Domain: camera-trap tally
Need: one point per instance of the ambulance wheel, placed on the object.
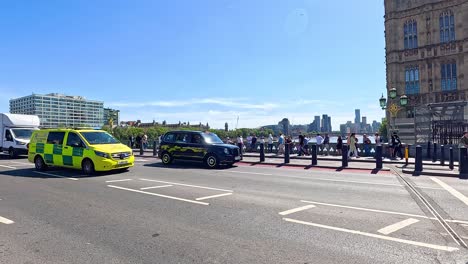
(88, 167)
(40, 164)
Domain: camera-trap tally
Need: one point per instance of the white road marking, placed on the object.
(331, 180)
(140, 160)
(6, 221)
(212, 196)
(156, 187)
(397, 226)
(295, 210)
(8, 167)
(188, 185)
(404, 241)
(385, 212)
(451, 190)
(22, 163)
(53, 175)
(119, 180)
(159, 195)
(255, 173)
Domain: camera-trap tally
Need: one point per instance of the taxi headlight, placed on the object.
(102, 154)
(226, 151)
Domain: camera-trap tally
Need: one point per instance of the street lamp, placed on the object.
(393, 107)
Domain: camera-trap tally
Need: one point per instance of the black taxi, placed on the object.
(200, 146)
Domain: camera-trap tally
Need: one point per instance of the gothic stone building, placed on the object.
(427, 60)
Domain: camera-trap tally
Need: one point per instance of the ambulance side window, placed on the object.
(55, 138)
(74, 141)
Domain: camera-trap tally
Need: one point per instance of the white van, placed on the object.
(15, 133)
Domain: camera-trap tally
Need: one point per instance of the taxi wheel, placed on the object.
(88, 167)
(166, 158)
(40, 164)
(211, 161)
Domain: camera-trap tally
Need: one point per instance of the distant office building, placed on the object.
(364, 120)
(376, 126)
(58, 110)
(324, 126)
(329, 124)
(111, 114)
(357, 119)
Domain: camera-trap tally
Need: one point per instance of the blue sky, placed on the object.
(200, 61)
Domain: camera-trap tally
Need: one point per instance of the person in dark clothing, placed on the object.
(138, 141)
(254, 143)
(301, 145)
(396, 143)
(131, 139)
(339, 145)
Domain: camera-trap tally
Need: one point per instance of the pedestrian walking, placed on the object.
(144, 141)
(281, 142)
(253, 143)
(378, 140)
(300, 146)
(319, 140)
(270, 143)
(138, 141)
(464, 140)
(367, 145)
(396, 143)
(240, 144)
(352, 146)
(306, 145)
(326, 144)
(249, 142)
(131, 140)
(339, 145)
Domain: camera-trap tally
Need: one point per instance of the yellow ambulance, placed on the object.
(87, 149)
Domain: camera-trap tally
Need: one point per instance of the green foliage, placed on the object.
(384, 129)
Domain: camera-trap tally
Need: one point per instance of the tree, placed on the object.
(384, 129)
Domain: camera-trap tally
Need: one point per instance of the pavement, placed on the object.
(184, 213)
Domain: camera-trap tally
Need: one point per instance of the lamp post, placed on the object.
(393, 107)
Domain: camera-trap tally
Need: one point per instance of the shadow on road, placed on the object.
(59, 172)
(185, 165)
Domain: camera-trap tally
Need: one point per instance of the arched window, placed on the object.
(448, 76)
(410, 32)
(412, 80)
(447, 27)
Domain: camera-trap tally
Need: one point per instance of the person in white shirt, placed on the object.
(270, 143)
(319, 140)
(281, 145)
(240, 144)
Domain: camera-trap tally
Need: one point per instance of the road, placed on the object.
(245, 214)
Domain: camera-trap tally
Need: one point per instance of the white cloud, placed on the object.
(229, 102)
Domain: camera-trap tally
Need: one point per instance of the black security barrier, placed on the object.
(378, 158)
(314, 154)
(463, 163)
(451, 158)
(418, 162)
(286, 153)
(262, 152)
(344, 156)
(442, 155)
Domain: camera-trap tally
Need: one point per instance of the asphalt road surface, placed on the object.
(246, 214)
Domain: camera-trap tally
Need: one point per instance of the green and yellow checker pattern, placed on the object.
(53, 154)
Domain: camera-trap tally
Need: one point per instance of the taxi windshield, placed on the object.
(99, 137)
(211, 138)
